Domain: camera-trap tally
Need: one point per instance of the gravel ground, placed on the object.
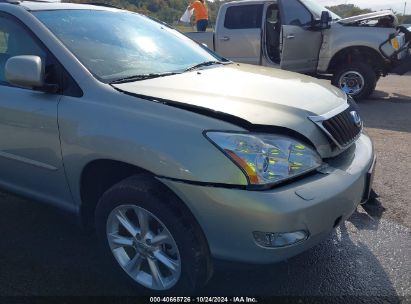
(43, 255)
(388, 121)
(365, 257)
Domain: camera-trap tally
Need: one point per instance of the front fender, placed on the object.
(340, 37)
(163, 140)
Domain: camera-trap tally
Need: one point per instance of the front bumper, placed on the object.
(403, 65)
(315, 204)
(399, 60)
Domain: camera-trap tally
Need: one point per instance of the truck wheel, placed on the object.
(149, 239)
(357, 79)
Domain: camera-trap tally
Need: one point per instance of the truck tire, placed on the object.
(149, 240)
(357, 79)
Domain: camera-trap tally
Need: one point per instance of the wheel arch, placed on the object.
(101, 174)
(96, 177)
(351, 54)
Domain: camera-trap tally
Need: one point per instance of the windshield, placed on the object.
(115, 45)
(316, 9)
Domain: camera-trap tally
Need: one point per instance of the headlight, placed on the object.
(266, 159)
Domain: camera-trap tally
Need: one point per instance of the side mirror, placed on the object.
(25, 71)
(325, 20)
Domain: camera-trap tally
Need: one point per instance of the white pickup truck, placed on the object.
(303, 36)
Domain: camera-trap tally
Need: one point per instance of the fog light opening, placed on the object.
(279, 239)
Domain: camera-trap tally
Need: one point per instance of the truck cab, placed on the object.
(270, 33)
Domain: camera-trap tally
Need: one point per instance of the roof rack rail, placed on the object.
(101, 4)
(44, 1)
(10, 1)
(19, 1)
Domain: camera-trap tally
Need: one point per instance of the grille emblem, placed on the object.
(356, 118)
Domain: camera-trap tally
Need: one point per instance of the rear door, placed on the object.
(239, 36)
(300, 43)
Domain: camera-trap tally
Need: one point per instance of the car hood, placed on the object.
(368, 16)
(255, 94)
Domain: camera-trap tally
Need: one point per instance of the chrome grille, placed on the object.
(342, 128)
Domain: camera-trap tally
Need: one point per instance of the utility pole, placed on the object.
(405, 6)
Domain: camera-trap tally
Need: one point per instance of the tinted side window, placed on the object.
(244, 16)
(294, 13)
(15, 41)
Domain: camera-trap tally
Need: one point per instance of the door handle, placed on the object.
(291, 36)
(225, 38)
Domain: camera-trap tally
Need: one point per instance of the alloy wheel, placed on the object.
(143, 247)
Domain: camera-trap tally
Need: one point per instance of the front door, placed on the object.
(30, 155)
(300, 43)
(239, 38)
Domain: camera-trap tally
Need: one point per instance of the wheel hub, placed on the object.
(351, 82)
(143, 248)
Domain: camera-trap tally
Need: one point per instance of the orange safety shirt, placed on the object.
(200, 10)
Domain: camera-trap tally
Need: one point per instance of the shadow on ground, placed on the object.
(389, 97)
(387, 112)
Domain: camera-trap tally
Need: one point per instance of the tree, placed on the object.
(168, 11)
(348, 10)
(404, 19)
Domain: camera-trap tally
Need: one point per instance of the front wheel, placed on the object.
(357, 79)
(150, 239)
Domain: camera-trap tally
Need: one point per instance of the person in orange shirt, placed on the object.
(201, 14)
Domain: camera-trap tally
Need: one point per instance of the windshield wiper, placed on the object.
(157, 75)
(203, 64)
(142, 77)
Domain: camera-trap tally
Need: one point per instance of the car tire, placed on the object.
(357, 79)
(182, 257)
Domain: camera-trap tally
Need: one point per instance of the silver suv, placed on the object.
(174, 155)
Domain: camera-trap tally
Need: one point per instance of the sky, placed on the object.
(396, 5)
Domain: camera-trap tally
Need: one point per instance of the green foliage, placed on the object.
(406, 19)
(168, 11)
(348, 10)
(3, 43)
